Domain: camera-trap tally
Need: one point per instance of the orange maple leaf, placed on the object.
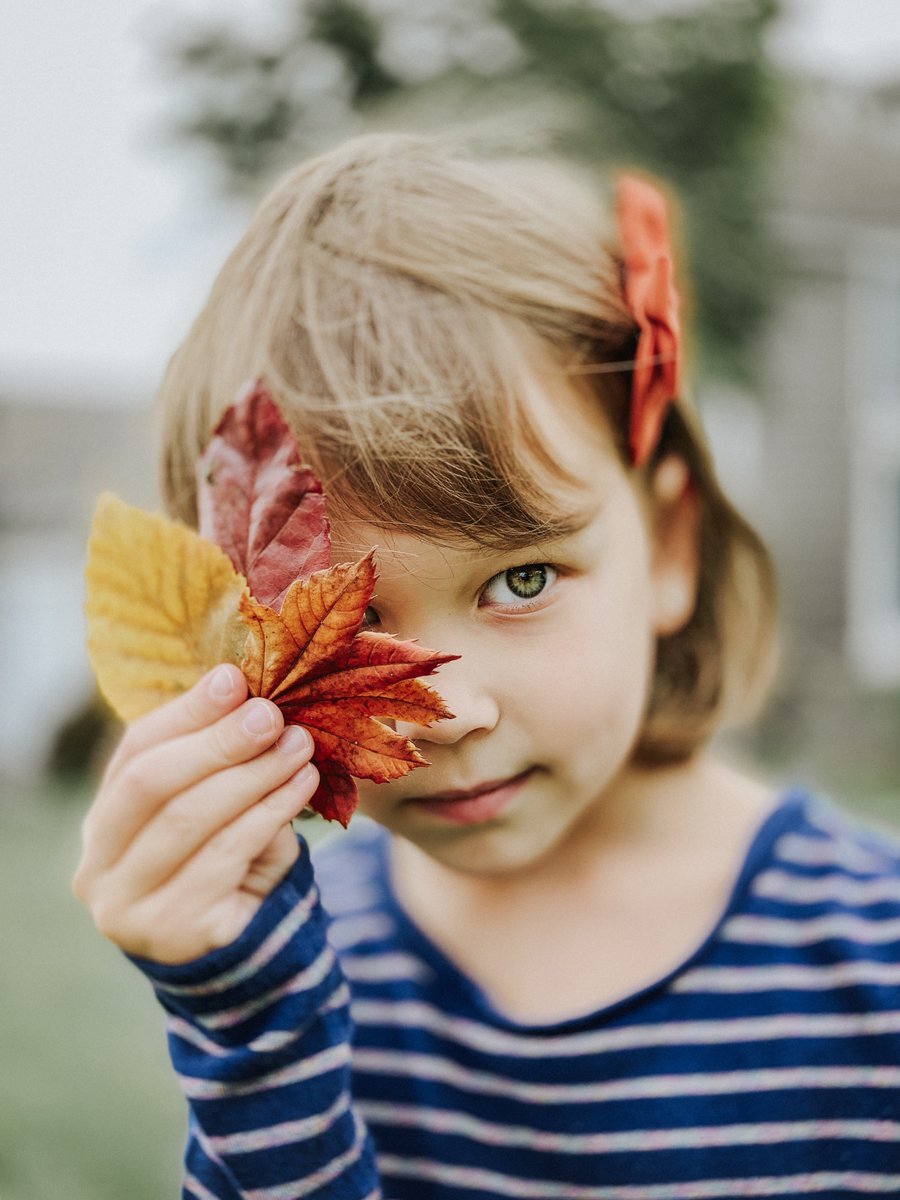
(165, 604)
(339, 683)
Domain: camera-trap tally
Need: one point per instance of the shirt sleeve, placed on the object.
(259, 1035)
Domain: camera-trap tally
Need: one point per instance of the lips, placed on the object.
(473, 805)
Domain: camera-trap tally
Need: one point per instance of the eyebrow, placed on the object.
(557, 530)
(565, 530)
(573, 522)
(579, 520)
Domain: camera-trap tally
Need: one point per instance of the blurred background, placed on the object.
(136, 137)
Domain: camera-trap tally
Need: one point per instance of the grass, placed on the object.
(89, 1108)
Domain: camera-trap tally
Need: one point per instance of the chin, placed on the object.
(487, 854)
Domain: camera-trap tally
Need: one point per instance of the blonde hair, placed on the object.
(393, 293)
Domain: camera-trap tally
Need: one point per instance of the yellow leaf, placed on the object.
(162, 607)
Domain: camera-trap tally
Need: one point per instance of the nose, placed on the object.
(470, 698)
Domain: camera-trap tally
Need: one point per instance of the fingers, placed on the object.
(210, 899)
(272, 863)
(274, 780)
(190, 828)
(148, 779)
(219, 691)
(259, 846)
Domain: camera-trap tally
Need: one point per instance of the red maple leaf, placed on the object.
(305, 650)
(256, 500)
(324, 674)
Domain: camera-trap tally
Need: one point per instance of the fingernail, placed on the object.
(220, 682)
(307, 776)
(258, 719)
(293, 740)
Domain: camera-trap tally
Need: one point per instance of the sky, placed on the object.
(110, 237)
(106, 236)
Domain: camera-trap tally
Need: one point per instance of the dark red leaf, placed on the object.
(324, 675)
(257, 502)
(336, 796)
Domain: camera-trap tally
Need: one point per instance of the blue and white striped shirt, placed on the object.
(767, 1064)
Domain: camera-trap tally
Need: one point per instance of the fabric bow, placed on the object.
(651, 295)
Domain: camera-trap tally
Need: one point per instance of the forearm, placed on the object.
(259, 1033)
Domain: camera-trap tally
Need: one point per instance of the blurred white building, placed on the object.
(59, 447)
(831, 377)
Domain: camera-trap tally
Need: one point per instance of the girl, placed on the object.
(583, 958)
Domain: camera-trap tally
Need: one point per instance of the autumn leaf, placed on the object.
(257, 502)
(375, 665)
(164, 605)
(161, 607)
(318, 622)
(341, 684)
(336, 796)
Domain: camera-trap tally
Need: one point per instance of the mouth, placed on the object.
(473, 805)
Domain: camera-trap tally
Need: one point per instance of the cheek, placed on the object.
(599, 681)
(378, 800)
(599, 687)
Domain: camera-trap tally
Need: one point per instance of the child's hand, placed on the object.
(191, 826)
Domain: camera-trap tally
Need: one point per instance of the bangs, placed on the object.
(412, 408)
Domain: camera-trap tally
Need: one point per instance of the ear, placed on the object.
(675, 562)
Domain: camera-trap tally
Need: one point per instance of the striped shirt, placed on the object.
(767, 1064)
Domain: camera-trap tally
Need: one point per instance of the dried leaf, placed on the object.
(337, 682)
(336, 797)
(324, 614)
(319, 620)
(162, 607)
(165, 604)
(377, 669)
(257, 502)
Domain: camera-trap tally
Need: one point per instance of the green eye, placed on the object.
(526, 582)
(513, 589)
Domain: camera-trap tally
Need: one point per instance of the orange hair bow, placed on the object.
(651, 295)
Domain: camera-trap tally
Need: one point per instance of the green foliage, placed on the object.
(355, 34)
(692, 98)
(689, 96)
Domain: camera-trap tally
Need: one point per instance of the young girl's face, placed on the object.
(556, 648)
